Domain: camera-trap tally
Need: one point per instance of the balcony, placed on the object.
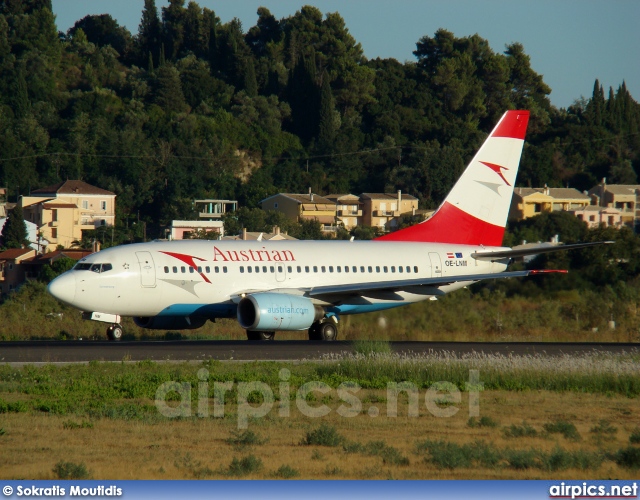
(386, 213)
(349, 213)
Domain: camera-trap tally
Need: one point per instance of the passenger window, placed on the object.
(95, 268)
(324, 269)
(339, 269)
(175, 269)
(299, 269)
(399, 269)
(272, 269)
(199, 269)
(370, 269)
(377, 269)
(280, 269)
(242, 269)
(191, 269)
(408, 269)
(415, 269)
(385, 269)
(257, 269)
(249, 269)
(109, 267)
(224, 269)
(393, 269)
(346, 269)
(361, 269)
(289, 269)
(315, 269)
(330, 269)
(166, 269)
(216, 269)
(264, 269)
(306, 269)
(354, 269)
(182, 268)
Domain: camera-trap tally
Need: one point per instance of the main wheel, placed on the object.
(114, 333)
(327, 331)
(253, 335)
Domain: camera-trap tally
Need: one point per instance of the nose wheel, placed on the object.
(114, 332)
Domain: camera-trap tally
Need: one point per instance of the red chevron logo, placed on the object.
(497, 169)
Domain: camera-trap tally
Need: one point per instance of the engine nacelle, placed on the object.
(277, 311)
(169, 322)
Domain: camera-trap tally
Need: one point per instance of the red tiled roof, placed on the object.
(51, 256)
(71, 187)
(15, 253)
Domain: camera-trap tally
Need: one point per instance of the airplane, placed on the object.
(309, 285)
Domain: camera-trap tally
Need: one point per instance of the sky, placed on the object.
(570, 42)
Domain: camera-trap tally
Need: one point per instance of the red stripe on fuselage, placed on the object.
(450, 225)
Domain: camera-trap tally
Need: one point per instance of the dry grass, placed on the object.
(197, 448)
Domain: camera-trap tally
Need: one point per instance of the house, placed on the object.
(4, 209)
(596, 216)
(211, 209)
(348, 209)
(383, 210)
(182, 229)
(12, 272)
(64, 210)
(33, 265)
(529, 202)
(622, 197)
(276, 235)
(301, 207)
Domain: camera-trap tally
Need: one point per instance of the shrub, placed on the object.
(567, 429)
(242, 440)
(70, 424)
(520, 459)
(604, 427)
(445, 455)
(634, 438)
(516, 431)
(483, 422)
(369, 347)
(70, 470)
(244, 466)
(286, 472)
(325, 435)
(628, 457)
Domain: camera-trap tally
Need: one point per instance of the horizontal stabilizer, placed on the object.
(512, 254)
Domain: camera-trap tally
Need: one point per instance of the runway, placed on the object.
(85, 351)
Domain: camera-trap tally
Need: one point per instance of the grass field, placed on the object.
(572, 417)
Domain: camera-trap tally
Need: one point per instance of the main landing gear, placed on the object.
(325, 330)
(114, 332)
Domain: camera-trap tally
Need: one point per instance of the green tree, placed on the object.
(14, 232)
(149, 36)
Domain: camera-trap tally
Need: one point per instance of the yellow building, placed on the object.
(529, 202)
(63, 210)
(301, 207)
(348, 209)
(383, 210)
(623, 197)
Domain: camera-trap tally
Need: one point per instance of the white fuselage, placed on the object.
(207, 278)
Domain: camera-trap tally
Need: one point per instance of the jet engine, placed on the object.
(170, 322)
(277, 311)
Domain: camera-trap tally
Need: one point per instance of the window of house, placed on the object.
(592, 218)
(54, 214)
(537, 207)
(54, 233)
(275, 205)
(85, 204)
(103, 205)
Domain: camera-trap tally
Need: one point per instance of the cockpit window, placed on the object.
(96, 268)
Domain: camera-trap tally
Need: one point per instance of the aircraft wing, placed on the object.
(510, 254)
(430, 283)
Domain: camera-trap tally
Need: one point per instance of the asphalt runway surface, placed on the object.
(242, 350)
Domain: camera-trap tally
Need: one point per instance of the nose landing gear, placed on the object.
(114, 332)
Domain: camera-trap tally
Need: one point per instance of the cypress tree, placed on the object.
(326, 124)
(14, 232)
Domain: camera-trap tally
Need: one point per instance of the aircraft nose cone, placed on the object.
(63, 288)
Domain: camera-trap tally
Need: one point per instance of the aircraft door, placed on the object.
(281, 272)
(147, 269)
(436, 265)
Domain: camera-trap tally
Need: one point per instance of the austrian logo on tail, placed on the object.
(497, 169)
